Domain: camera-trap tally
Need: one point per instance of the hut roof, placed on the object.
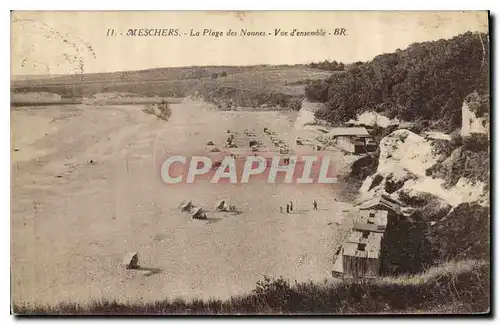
(371, 244)
(377, 217)
(359, 226)
(351, 249)
(382, 202)
(349, 131)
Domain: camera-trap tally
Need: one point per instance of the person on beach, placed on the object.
(291, 206)
(315, 205)
(287, 208)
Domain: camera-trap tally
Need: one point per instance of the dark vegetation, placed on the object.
(393, 184)
(426, 83)
(365, 166)
(327, 65)
(228, 97)
(470, 160)
(476, 142)
(429, 206)
(376, 181)
(412, 247)
(161, 111)
(464, 233)
(405, 250)
(463, 289)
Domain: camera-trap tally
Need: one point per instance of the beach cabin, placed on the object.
(355, 140)
(361, 255)
(395, 208)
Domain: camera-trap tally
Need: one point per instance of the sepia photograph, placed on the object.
(250, 163)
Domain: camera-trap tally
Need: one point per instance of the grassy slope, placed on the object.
(457, 287)
(237, 86)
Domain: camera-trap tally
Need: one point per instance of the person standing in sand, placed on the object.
(287, 208)
(315, 205)
(291, 206)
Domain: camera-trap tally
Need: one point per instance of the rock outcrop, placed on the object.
(373, 119)
(401, 172)
(475, 118)
(432, 207)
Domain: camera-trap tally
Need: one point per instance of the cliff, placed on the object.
(402, 172)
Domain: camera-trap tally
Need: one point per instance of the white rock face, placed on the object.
(438, 135)
(405, 150)
(470, 122)
(404, 157)
(463, 191)
(373, 119)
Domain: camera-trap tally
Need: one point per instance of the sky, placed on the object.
(75, 42)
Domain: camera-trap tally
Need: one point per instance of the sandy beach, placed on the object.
(86, 189)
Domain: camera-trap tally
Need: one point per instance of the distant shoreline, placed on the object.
(86, 101)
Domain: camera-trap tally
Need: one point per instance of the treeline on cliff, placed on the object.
(426, 83)
(327, 65)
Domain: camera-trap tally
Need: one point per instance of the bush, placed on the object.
(365, 166)
(161, 111)
(296, 104)
(463, 234)
(456, 139)
(458, 288)
(405, 248)
(327, 65)
(317, 91)
(272, 293)
(476, 142)
(474, 166)
(376, 181)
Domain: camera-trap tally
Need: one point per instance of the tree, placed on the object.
(427, 81)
